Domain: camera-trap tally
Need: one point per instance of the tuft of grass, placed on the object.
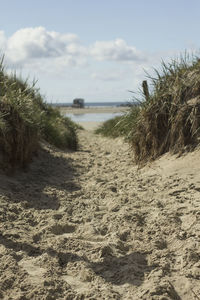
(19, 131)
(168, 115)
(120, 125)
(25, 118)
(110, 127)
(169, 119)
(58, 130)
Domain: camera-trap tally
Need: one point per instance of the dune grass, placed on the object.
(58, 130)
(25, 119)
(120, 125)
(110, 127)
(169, 118)
(168, 115)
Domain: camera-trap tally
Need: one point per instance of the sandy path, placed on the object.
(90, 126)
(90, 225)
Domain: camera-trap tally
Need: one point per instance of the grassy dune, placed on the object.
(168, 117)
(120, 125)
(25, 119)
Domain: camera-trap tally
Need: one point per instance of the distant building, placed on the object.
(78, 103)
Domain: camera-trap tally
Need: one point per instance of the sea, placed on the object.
(94, 117)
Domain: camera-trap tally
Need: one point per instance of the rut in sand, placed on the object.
(90, 225)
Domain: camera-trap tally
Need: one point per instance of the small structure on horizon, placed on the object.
(78, 103)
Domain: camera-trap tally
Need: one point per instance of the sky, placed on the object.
(99, 50)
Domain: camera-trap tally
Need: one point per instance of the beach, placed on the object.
(94, 109)
(92, 125)
(100, 150)
(92, 225)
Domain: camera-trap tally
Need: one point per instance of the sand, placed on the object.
(91, 225)
(90, 125)
(94, 110)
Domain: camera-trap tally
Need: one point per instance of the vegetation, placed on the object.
(120, 125)
(24, 119)
(57, 130)
(168, 116)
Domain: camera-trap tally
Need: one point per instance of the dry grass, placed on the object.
(24, 119)
(19, 129)
(169, 118)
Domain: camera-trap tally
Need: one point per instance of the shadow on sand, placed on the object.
(125, 269)
(129, 269)
(116, 270)
(39, 187)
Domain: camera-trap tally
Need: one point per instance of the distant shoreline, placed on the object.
(95, 104)
(93, 109)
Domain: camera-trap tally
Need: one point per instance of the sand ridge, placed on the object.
(91, 225)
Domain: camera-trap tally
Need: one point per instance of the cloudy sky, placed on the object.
(94, 49)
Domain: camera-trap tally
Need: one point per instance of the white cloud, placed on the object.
(116, 50)
(29, 44)
(40, 52)
(47, 50)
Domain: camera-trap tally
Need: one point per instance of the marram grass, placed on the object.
(25, 119)
(168, 115)
(169, 119)
(120, 125)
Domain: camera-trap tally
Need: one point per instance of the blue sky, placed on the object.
(95, 49)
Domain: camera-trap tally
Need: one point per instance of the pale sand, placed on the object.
(95, 110)
(91, 225)
(90, 125)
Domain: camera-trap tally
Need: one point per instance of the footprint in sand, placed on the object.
(33, 269)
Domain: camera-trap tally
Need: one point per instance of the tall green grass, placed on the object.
(25, 119)
(59, 130)
(120, 125)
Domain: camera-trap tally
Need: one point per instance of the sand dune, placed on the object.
(91, 225)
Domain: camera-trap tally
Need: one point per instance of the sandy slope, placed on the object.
(90, 225)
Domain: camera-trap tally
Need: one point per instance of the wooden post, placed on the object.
(145, 89)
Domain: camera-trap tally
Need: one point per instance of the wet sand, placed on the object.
(91, 225)
(94, 110)
(91, 125)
